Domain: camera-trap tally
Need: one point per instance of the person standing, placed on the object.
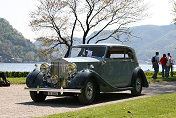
(155, 63)
(168, 64)
(4, 82)
(163, 62)
(172, 63)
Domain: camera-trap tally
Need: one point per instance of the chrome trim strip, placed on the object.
(61, 90)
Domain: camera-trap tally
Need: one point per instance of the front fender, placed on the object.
(139, 72)
(34, 79)
(80, 79)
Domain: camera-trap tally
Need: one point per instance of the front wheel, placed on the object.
(37, 97)
(88, 93)
(137, 89)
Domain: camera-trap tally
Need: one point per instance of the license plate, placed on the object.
(53, 93)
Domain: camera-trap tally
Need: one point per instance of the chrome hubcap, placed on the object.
(89, 90)
(138, 85)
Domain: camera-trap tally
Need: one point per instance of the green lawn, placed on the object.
(161, 106)
(19, 80)
(160, 79)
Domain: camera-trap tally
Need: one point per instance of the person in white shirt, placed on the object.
(169, 65)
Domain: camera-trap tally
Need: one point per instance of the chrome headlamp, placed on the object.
(71, 68)
(44, 68)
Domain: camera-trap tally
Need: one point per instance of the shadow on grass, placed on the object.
(72, 102)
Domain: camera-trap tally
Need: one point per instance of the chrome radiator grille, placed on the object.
(59, 68)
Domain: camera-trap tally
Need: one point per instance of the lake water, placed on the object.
(19, 67)
(22, 67)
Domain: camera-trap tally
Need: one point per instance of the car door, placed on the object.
(128, 66)
(117, 70)
(112, 71)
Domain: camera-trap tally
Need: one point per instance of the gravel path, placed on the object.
(15, 102)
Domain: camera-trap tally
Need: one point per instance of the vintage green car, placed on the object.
(89, 70)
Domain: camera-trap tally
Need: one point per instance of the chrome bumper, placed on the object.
(61, 90)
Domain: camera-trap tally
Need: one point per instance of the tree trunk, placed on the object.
(67, 53)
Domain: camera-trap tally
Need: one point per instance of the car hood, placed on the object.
(83, 59)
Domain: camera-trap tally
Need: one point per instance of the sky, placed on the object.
(17, 13)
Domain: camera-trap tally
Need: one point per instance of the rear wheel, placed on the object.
(137, 87)
(88, 93)
(37, 97)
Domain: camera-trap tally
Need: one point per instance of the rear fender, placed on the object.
(139, 72)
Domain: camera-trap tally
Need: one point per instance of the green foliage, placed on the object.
(160, 79)
(150, 73)
(14, 45)
(174, 11)
(16, 74)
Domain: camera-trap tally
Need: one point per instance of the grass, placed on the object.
(161, 106)
(19, 80)
(160, 79)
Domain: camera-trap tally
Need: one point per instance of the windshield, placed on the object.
(88, 52)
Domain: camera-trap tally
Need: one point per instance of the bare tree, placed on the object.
(174, 9)
(62, 20)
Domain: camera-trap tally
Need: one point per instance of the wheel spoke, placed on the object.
(138, 85)
(89, 90)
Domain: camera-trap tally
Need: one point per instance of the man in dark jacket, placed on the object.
(155, 63)
(4, 82)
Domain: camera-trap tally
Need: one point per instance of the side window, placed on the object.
(119, 53)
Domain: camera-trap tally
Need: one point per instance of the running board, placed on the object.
(124, 89)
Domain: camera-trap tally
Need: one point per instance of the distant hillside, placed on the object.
(13, 46)
(151, 39)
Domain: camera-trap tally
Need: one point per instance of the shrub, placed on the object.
(150, 73)
(15, 74)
